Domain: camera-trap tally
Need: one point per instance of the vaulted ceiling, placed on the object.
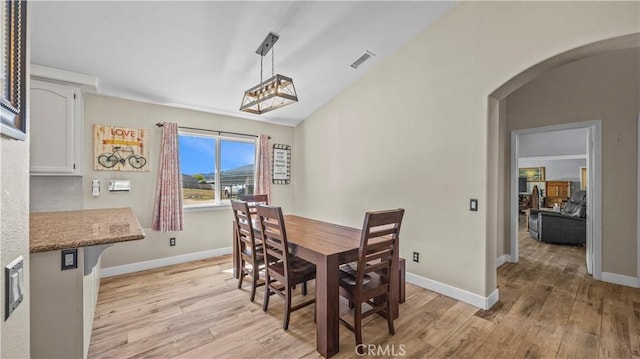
(201, 55)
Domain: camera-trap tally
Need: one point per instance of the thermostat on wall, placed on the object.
(119, 185)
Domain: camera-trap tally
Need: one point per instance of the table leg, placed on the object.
(402, 277)
(327, 306)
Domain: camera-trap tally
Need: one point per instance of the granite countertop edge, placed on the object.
(51, 231)
(83, 243)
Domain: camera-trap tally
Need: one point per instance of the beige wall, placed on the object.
(606, 88)
(204, 230)
(14, 241)
(414, 133)
(14, 238)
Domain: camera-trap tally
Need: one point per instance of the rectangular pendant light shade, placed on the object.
(276, 92)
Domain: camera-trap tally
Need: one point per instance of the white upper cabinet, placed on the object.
(56, 120)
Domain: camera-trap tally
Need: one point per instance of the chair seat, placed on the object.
(298, 268)
(371, 281)
(259, 252)
(348, 273)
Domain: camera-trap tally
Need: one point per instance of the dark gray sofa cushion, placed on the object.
(567, 226)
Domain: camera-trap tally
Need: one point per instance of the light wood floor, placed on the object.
(548, 308)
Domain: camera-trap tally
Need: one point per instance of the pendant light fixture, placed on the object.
(275, 92)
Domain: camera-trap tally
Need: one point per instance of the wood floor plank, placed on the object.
(551, 320)
(125, 324)
(466, 340)
(176, 344)
(616, 331)
(528, 307)
(510, 293)
(416, 348)
(503, 341)
(438, 331)
(635, 332)
(527, 349)
(581, 334)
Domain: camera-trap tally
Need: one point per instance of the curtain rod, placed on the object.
(217, 131)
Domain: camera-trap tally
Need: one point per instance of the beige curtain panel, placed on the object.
(167, 213)
(263, 177)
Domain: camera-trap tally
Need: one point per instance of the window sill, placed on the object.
(225, 205)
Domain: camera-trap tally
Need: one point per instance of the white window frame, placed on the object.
(218, 201)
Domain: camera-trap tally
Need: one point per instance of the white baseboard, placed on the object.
(491, 299)
(502, 260)
(162, 262)
(620, 279)
(453, 292)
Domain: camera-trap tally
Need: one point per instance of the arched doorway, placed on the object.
(501, 173)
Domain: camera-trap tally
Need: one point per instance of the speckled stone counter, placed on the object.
(50, 231)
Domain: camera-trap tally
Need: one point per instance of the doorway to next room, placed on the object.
(553, 219)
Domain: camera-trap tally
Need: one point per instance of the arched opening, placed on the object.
(502, 183)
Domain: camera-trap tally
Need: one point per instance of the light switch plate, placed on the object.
(473, 205)
(13, 285)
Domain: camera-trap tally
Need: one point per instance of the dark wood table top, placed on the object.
(321, 237)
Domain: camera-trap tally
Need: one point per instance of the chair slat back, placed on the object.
(254, 200)
(244, 227)
(274, 237)
(378, 244)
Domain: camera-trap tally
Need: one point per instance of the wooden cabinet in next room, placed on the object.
(557, 192)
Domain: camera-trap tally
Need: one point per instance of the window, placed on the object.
(214, 168)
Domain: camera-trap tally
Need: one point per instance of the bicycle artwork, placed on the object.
(120, 149)
(120, 155)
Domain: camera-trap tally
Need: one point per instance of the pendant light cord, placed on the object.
(261, 58)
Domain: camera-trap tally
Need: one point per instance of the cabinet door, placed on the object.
(54, 117)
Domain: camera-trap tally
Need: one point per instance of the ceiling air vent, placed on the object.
(364, 57)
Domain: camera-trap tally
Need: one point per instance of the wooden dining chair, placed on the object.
(367, 281)
(249, 247)
(253, 200)
(283, 270)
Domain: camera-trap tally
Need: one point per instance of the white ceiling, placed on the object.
(201, 55)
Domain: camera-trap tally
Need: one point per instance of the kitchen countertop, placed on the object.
(50, 231)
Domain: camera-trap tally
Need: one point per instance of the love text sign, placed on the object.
(120, 149)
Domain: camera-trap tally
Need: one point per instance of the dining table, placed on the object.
(327, 245)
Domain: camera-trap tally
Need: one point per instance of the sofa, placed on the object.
(568, 226)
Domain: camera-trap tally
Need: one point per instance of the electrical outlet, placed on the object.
(416, 257)
(172, 241)
(69, 259)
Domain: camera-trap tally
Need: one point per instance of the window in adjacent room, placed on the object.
(215, 168)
